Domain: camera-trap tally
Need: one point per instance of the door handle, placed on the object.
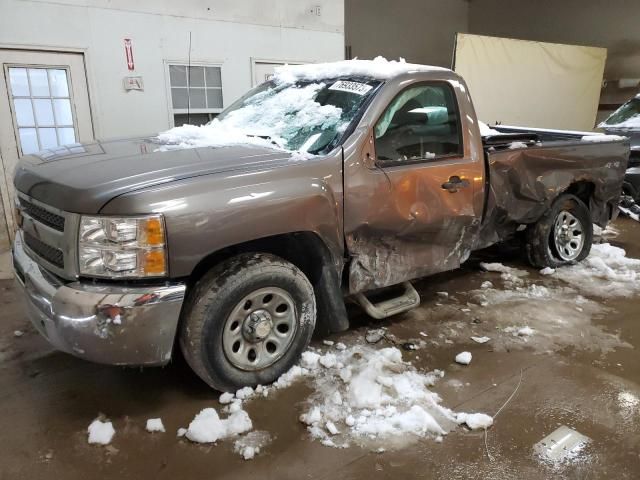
(455, 183)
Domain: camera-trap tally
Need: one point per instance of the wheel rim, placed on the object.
(568, 236)
(260, 329)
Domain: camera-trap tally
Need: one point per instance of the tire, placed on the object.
(542, 248)
(236, 292)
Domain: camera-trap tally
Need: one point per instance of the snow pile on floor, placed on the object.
(155, 425)
(379, 68)
(250, 445)
(366, 395)
(606, 272)
(100, 432)
(208, 427)
(269, 119)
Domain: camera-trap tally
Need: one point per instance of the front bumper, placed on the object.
(104, 323)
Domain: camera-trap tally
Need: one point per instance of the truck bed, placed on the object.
(526, 169)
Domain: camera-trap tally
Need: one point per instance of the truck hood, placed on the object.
(83, 178)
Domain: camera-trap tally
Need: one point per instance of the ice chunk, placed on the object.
(463, 358)
(101, 432)
(155, 425)
(331, 427)
(309, 360)
(480, 339)
(547, 271)
(475, 420)
(244, 393)
(226, 397)
(525, 331)
(249, 445)
(328, 360)
(328, 343)
(18, 333)
(207, 427)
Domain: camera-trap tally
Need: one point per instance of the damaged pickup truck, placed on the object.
(238, 239)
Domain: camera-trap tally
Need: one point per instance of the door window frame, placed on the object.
(14, 119)
(438, 158)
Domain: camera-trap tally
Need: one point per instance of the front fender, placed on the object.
(208, 213)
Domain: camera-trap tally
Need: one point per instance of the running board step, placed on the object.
(406, 301)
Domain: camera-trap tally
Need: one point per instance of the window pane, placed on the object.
(213, 77)
(214, 97)
(420, 124)
(67, 136)
(24, 112)
(62, 108)
(58, 82)
(44, 111)
(19, 83)
(28, 140)
(197, 98)
(39, 82)
(179, 97)
(178, 75)
(196, 78)
(180, 119)
(48, 137)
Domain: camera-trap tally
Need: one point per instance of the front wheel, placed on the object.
(562, 236)
(247, 321)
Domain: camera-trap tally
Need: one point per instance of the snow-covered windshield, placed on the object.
(627, 116)
(305, 116)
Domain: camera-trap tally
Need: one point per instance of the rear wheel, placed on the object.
(562, 236)
(247, 321)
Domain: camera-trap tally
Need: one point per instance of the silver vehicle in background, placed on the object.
(625, 121)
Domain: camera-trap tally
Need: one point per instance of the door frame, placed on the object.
(6, 188)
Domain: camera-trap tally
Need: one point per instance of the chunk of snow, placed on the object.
(208, 427)
(599, 137)
(244, 393)
(515, 145)
(475, 421)
(480, 339)
(486, 284)
(525, 331)
(328, 343)
(463, 358)
(547, 271)
(331, 427)
(181, 432)
(423, 334)
(499, 267)
(117, 320)
(328, 360)
(226, 397)
(101, 432)
(309, 360)
(374, 336)
(18, 333)
(340, 346)
(443, 294)
(155, 425)
(486, 130)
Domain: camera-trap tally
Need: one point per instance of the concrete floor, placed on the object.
(586, 378)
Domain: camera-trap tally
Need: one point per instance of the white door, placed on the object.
(44, 104)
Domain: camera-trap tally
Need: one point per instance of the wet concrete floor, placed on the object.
(47, 398)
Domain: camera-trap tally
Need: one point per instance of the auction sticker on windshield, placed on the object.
(353, 87)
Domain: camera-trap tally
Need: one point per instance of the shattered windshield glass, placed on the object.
(303, 116)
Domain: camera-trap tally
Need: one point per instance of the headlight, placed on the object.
(122, 247)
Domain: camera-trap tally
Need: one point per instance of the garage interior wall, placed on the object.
(421, 31)
(612, 24)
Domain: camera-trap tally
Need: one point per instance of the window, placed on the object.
(196, 93)
(421, 123)
(42, 107)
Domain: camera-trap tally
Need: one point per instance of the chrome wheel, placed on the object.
(260, 329)
(568, 236)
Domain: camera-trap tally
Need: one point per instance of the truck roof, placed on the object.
(379, 68)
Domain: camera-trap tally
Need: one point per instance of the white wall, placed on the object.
(421, 31)
(226, 31)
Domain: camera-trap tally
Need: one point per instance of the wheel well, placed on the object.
(583, 190)
(304, 249)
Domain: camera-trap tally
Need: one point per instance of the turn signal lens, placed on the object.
(152, 232)
(154, 262)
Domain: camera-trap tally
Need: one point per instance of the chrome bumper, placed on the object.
(104, 323)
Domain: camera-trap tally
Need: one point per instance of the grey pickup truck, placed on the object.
(239, 239)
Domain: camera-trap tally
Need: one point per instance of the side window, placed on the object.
(421, 123)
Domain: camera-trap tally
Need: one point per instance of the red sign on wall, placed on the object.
(128, 52)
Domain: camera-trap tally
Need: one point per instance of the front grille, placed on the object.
(51, 254)
(43, 216)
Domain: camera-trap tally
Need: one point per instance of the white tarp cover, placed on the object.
(533, 84)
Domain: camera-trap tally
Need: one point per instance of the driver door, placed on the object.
(413, 197)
